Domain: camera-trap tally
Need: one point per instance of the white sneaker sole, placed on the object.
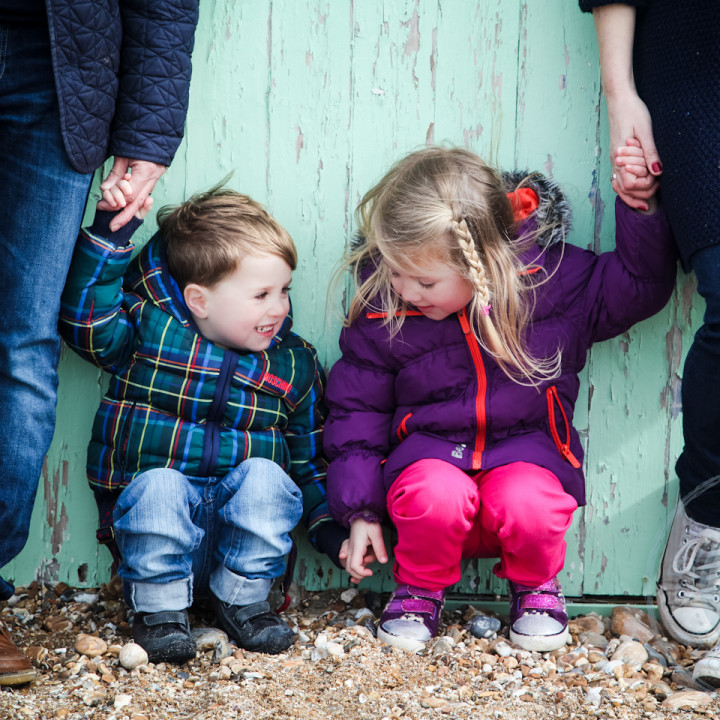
(400, 642)
(707, 670)
(541, 643)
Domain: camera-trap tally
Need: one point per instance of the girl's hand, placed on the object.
(631, 158)
(364, 546)
(639, 185)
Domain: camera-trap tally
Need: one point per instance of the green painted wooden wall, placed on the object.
(308, 102)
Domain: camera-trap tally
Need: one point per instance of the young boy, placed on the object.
(212, 401)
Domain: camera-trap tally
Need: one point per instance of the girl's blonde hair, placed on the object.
(447, 205)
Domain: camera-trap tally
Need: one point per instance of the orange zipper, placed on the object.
(402, 431)
(482, 389)
(563, 447)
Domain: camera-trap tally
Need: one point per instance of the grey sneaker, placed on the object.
(707, 670)
(688, 594)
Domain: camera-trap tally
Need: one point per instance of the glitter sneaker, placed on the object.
(688, 594)
(538, 618)
(411, 617)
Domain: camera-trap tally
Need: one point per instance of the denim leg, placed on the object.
(699, 465)
(258, 506)
(156, 535)
(41, 209)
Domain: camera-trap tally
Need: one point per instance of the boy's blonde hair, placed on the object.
(209, 234)
(446, 205)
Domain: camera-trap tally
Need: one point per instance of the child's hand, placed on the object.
(116, 196)
(142, 211)
(632, 180)
(364, 546)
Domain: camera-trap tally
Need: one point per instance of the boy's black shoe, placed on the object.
(165, 636)
(254, 627)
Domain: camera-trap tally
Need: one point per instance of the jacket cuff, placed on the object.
(366, 515)
(119, 238)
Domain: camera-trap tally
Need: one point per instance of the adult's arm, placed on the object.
(152, 101)
(628, 116)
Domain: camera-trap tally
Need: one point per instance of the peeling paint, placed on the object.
(299, 143)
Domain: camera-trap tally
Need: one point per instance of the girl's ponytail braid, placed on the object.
(478, 276)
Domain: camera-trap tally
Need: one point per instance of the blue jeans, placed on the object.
(179, 535)
(41, 209)
(699, 465)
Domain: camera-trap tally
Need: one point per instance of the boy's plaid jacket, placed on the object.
(175, 399)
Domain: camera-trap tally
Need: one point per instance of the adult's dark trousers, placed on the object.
(699, 465)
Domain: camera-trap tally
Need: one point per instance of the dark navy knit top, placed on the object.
(677, 73)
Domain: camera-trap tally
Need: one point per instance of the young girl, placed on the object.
(451, 407)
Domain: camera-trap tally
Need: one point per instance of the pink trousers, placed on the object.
(517, 512)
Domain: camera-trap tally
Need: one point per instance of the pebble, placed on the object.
(483, 626)
(593, 639)
(122, 701)
(347, 596)
(206, 637)
(132, 656)
(631, 622)
(592, 622)
(630, 652)
(90, 645)
(90, 598)
(687, 700)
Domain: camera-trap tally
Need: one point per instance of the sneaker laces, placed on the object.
(698, 565)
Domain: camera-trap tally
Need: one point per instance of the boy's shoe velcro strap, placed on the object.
(248, 612)
(165, 617)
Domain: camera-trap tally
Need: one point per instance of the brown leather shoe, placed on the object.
(15, 668)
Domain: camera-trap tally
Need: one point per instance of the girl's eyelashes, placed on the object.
(425, 286)
(286, 290)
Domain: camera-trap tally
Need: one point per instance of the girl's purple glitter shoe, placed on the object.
(411, 617)
(538, 617)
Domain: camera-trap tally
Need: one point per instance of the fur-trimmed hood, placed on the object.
(553, 216)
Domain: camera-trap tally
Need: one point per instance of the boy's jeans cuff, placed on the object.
(235, 589)
(156, 597)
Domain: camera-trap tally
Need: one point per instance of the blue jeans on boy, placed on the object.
(699, 465)
(180, 535)
(41, 210)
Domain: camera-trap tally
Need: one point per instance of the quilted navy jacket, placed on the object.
(122, 71)
(433, 392)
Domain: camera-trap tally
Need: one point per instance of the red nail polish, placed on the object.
(657, 167)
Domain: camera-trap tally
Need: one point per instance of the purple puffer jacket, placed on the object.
(432, 392)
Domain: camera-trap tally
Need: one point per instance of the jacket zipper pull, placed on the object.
(464, 323)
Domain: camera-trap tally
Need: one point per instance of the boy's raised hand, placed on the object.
(364, 546)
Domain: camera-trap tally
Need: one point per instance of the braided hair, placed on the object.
(447, 206)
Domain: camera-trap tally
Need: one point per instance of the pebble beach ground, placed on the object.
(80, 642)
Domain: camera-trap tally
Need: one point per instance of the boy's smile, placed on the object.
(245, 310)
